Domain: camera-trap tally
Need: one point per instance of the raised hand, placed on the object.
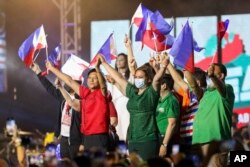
(34, 67)
(49, 65)
(127, 41)
(100, 59)
(164, 59)
(57, 83)
(210, 70)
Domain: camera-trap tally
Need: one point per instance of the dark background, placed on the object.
(34, 108)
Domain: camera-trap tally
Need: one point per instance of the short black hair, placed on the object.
(91, 70)
(223, 68)
(168, 80)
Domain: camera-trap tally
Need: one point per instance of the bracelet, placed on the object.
(165, 145)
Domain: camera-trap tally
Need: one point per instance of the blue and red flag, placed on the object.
(158, 23)
(154, 32)
(37, 40)
(183, 49)
(55, 57)
(222, 28)
(108, 50)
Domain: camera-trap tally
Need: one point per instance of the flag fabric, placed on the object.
(139, 14)
(183, 49)
(108, 50)
(196, 47)
(158, 23)
(153, 34)
(222, 28)
(37, 40)
(55, 57)
(74, 67)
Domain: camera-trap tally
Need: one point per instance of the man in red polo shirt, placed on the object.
(94, 105)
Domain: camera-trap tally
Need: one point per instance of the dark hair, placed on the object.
(127, 72)
(200, 75)
(148, 73)
(94, 70)
(223, 68)
(90, 71)
(168, 80)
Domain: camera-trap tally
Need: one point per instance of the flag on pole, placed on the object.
(108, 50)
(55, 57)
(158, 23)
(155, 34)
(183, 49)
(74, 67)
(196, 47)
(222, 28)
(37, 40)
(140, 13)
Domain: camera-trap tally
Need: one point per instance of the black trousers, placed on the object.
(67, 150)
(96, 141)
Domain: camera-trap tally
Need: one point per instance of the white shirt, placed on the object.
(66, 120)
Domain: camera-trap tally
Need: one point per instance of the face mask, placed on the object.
(139, 83)
(210, 83)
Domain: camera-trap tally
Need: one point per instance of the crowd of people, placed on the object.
(163, 115)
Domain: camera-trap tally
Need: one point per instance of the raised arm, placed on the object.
(64, 77)
(154, 63)
(176, 77)
(131, 59)
(218, 83)
(50, 88)
(156, 81)
(119, 79)
(100, 77)
(74, 103)
(193, 84)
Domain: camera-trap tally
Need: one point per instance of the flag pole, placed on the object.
(115, 48)
(155, 43)
(129, 28)
(36, 55)
(47, 56)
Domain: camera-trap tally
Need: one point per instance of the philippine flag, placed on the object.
(140, 13)
(55, 57)
(222, 28)
(108, 50)
(183, 49)
(74, 67)
(37, 40)
(154, 32)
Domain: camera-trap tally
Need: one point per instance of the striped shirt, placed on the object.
(189, 108)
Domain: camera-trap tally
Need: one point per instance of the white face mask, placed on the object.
(139, 83)
(210, 83)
